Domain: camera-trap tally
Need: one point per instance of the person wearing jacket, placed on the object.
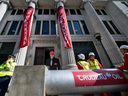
(83, 65)
(6, 72)
(94, 64)
(124, 51)
(52, 62)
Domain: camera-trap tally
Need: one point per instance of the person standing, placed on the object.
(6, 72)
(83, 65)
(93, 63)
(124, 51)
(52, 62)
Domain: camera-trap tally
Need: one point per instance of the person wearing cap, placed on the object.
(6, 72)
(124, 51)
(82, 64)
(52, 62)
(93, 63)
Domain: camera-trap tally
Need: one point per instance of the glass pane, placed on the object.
(104, 12)
(125, 4)
(13, 28)
(13, 12)
(52, 11)
(85, 27)
(70, 27)
(40, 11)
(5, 50)
(38, 24)
(77, 27)
(108, 27)
(78, 11)
(46, 11)
(19, 12)
(113, 25)
(72, 11)
(85, 48)
(19, 29)
(45, 29)
(98, 12)
(5, 28)
(53, 28)
(119, 43)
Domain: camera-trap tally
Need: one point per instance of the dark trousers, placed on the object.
(4, 86)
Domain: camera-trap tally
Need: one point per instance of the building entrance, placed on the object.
(85, 48)
(42, 54)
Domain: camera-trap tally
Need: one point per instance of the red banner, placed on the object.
(99, 78)
(25, 33)
(64, 28)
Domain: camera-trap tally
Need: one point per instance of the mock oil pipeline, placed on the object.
(85, 81)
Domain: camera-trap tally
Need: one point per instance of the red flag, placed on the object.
(64, 28)
(24, 40)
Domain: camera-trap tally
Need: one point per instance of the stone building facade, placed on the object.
(85, 18)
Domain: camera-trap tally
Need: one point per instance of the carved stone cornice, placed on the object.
(6, 2)
(83, 2)
(34, 1)
(56, 1)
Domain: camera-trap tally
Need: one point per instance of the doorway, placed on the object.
(85, 48)
(42, 54)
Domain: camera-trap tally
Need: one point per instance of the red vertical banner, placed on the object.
(25, 33)
(64, 27)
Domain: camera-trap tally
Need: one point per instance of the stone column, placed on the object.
(3, 8)
(20, 53)
(67, 54)
(107, 39)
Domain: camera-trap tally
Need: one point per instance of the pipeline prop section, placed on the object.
(64, 82)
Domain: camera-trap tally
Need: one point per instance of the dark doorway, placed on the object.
(85, 48)
(42, 54)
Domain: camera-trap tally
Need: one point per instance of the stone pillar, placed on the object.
(3, 9)
(107, 39)
(20, 53)
(67, 54)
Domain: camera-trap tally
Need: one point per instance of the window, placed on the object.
(19, 29)
(5, 28)
(108, 27)
(66, 10)
(13, 12)
(104, 12)
(119, 43)
(46, 11)
(84, 27)
(72, 11)
(70, 27)
(38, 24)
(13, 28)
(19, 12)
(125, 4)
(45, 29)
(113, 25)
(52, 11)
(78, 11)
(5, 50)
(77, 27)
(40, 12)
(98, 12)
(53, 28)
